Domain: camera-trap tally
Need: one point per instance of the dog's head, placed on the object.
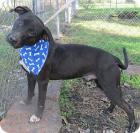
(27, 28)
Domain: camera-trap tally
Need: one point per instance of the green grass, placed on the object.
(132, 80)
(64, 101)
(103, 4)
(104, 11)
(99, 35)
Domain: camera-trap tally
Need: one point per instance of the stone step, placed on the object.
(17, 119)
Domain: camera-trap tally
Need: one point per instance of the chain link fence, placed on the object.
(111, 9)
(108, 24)
(12, 78)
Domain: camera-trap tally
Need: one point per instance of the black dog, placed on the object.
(67, 62)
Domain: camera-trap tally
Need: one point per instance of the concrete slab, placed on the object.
(17, 119)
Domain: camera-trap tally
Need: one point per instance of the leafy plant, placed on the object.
(64, 100)
(132, 80)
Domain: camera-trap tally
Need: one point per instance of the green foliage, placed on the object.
(64, 100)
(132, 80)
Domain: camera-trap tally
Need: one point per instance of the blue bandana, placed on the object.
(34, 57)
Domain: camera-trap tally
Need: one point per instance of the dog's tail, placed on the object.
(120, 64)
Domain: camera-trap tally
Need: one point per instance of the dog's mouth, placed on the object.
(16, 44)
(19, 43)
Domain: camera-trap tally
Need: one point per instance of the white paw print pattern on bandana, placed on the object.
(33, 57)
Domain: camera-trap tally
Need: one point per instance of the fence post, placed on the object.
(110, 3)
(14, 7)
(69, 13)
(70, 10)
(57, 20)
(77, 4)
(73, 11)
(34, 6)
(116, 3)
(14, 3)
(66, 13)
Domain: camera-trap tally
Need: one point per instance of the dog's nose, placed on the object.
(12, 38)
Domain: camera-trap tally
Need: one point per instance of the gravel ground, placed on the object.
(89, 102)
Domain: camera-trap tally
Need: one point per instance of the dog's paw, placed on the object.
(34, 119)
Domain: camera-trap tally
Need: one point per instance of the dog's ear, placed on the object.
(47, 35)
(21, 10)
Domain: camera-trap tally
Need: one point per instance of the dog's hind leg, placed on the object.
(116, 99)
(112, 105)
(113, 92)
(130, 113)
(31, 88)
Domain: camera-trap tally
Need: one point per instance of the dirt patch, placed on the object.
(89, 103)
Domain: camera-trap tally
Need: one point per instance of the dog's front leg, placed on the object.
(42, 86)
(31, 86)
